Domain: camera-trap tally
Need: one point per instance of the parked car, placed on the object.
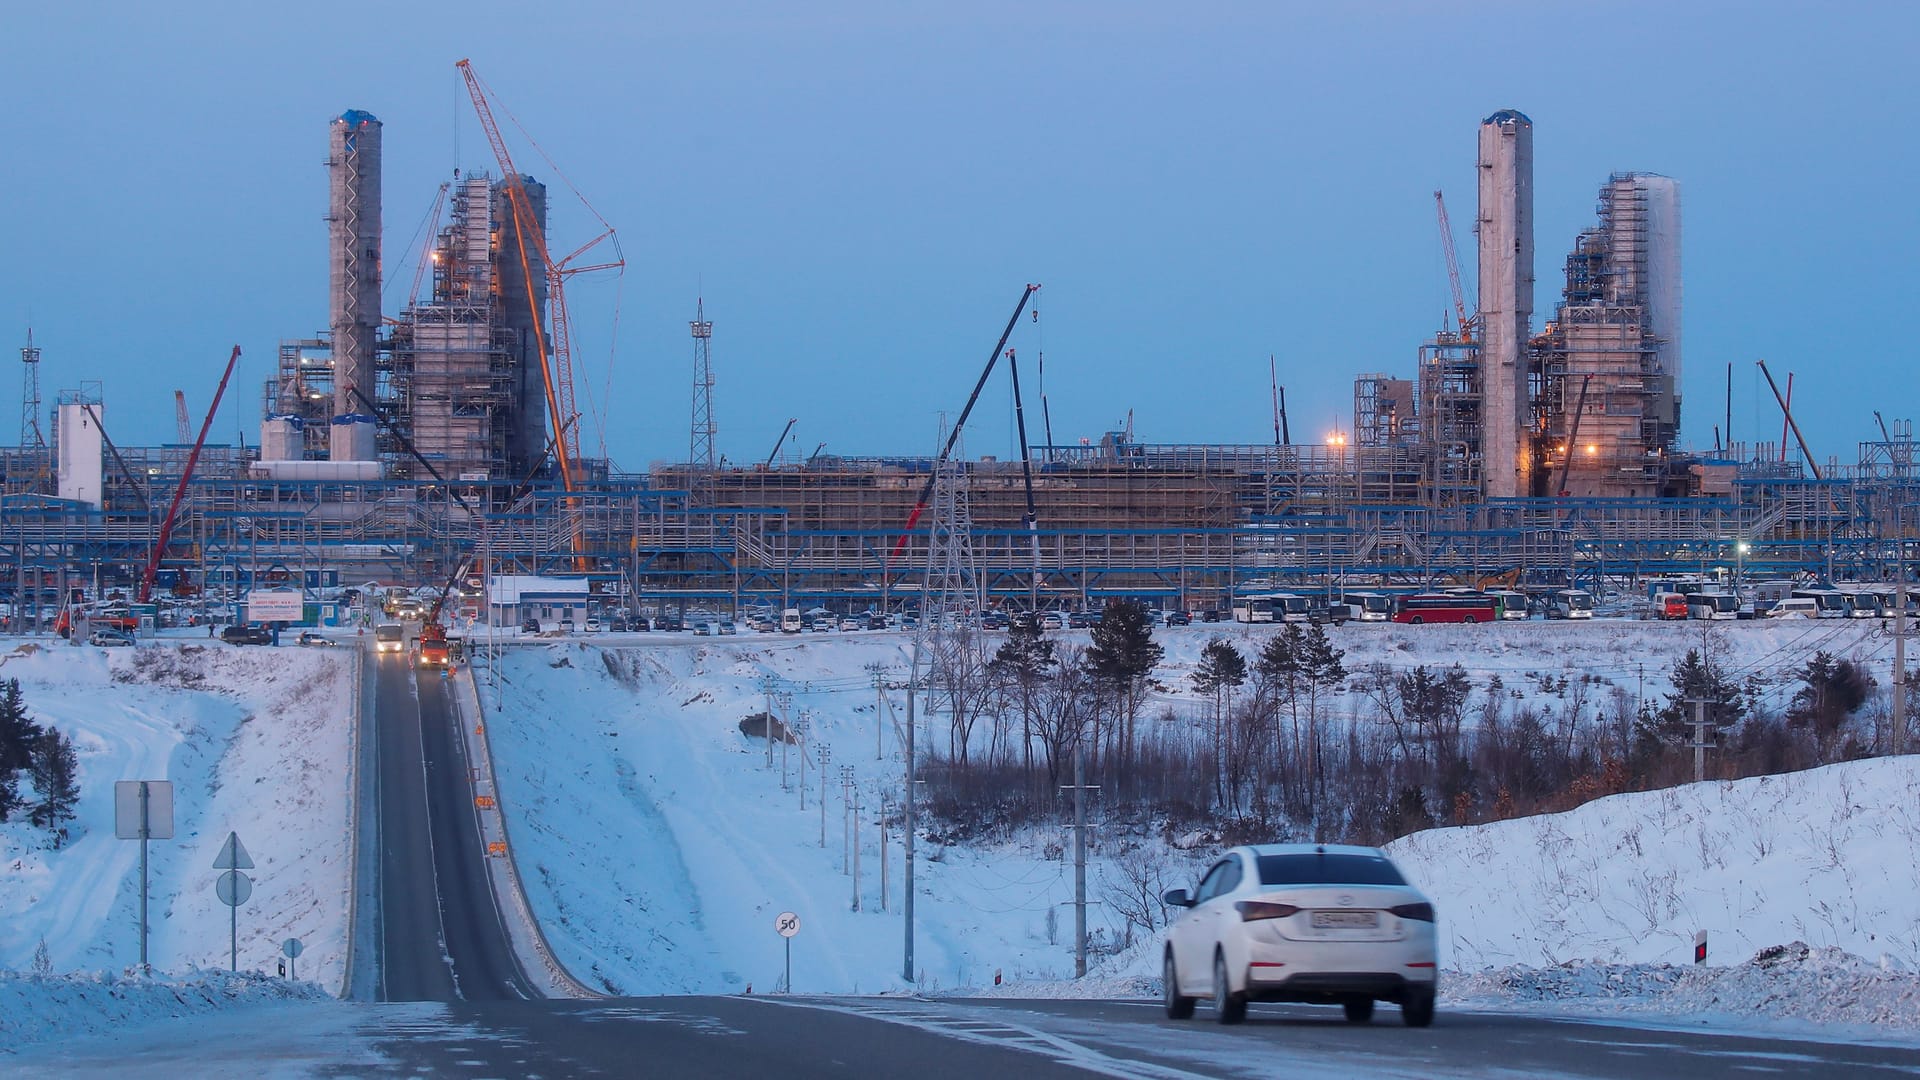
(109, 639)
(566, 625)
(851, 623)
(309, 637)
(618, 624)
(246, 635)
(876, 621)
(1213, 615)
(1080, 620)
(1326, 924)
(703, 629)
(593, 624)
(530, 626)
(822, 625)
(1050, 620)
(994, 620)
(1179, 618)
(727, 627)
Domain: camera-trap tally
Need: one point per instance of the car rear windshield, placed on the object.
(1328, 870)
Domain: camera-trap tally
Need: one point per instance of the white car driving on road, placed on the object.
(1320, 923)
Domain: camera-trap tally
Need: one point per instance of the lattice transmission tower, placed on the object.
(701, 462)
(31, 437)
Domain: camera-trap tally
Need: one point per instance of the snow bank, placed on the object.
(1806, 988)
(255, 740)
(1830, 856)
(62, 1007)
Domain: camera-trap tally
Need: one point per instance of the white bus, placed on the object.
(1512, 603)
(1270, 607)
(1713, 604)
(1368, 606)
(389, 637)
(1570, 604)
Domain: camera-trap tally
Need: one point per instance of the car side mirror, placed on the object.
(1176, 898)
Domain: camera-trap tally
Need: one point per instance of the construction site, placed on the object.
(403, 447)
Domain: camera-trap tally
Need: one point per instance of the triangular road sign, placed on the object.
(233, 856)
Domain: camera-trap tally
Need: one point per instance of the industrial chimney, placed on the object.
(353, 253)
(1505, 229)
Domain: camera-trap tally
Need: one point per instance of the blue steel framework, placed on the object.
(1249, 518)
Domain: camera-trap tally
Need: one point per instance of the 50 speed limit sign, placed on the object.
(787, 924)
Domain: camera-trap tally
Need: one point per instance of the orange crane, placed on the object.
(1467, 322)
(556, 364)
(186, 475)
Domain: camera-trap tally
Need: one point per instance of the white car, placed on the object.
(1325, 924)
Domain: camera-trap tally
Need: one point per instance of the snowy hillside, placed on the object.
(1830, 857)
(254, 740)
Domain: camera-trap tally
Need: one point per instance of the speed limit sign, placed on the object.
(788, 924)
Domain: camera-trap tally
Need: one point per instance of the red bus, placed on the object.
(1446, 608)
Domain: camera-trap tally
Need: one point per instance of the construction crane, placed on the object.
(180, 492)
(781, 441)
(556, 364)
(183, 426)
(427, 253)
(1786, 410)
(953, 437)
(1467, 322)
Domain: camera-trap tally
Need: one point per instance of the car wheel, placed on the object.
(1179, 1007)
(1359, 1009)
(1417, 1010)
(1228, 1007)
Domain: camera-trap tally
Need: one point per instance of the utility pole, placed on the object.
(1080, 789)
(846, 819)
(906, 877)
(883, 854)
(1700, 724)
(1899, 740)
(879, 705)
(854, 809)
(805, 726)
(826, 756)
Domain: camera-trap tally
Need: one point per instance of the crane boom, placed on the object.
(556, 368)
(180, 492)
(1453, 270)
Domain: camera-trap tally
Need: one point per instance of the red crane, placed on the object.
(180, 492)
(1467, 322)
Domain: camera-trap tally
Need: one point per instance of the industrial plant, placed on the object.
(410, 446)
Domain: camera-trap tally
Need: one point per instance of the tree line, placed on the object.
(1289, 743)
(45, 758)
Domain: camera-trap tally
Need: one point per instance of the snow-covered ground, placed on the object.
(255, 741)
(664, 870)
(658, 845)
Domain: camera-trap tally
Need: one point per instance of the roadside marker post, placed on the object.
(1700, 947)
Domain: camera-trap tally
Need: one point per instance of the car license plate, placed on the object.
(1346, 920)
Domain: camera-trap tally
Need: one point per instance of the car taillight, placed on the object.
(1252, 910)
(1417, 912)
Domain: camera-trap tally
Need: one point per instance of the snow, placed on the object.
(662, 871)
(657, 845)
(255, 741)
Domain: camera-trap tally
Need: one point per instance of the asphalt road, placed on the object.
(441, 937)
(936, 1039)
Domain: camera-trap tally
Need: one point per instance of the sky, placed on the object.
(861, 191)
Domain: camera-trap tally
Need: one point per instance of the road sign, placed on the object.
(233, 855)
(126, 809)
(787, 925)
(292, 947)
(233, 888)
(275, 605)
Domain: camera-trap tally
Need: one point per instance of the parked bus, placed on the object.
(1868, 601)
(1459, 607)
(1832, 602)
(1570, 604)
(1713, 604)
(1511, 602)
(1270, 607)
(1685, 586)
(1368, 606)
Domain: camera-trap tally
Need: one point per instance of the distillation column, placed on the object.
(1505, 231)
(353, 279)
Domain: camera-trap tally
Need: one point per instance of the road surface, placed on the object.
(440, 934)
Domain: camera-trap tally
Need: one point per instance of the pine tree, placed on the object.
(1221, 668)
(18, 734)
(55, 770)
(1121, 654)
(1025, 658)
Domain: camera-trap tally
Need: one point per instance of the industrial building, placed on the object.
(1537, 455)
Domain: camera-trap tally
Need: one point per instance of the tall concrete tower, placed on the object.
(1506, 299)
(519, 270)
(353, 279)
(1651, 247)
